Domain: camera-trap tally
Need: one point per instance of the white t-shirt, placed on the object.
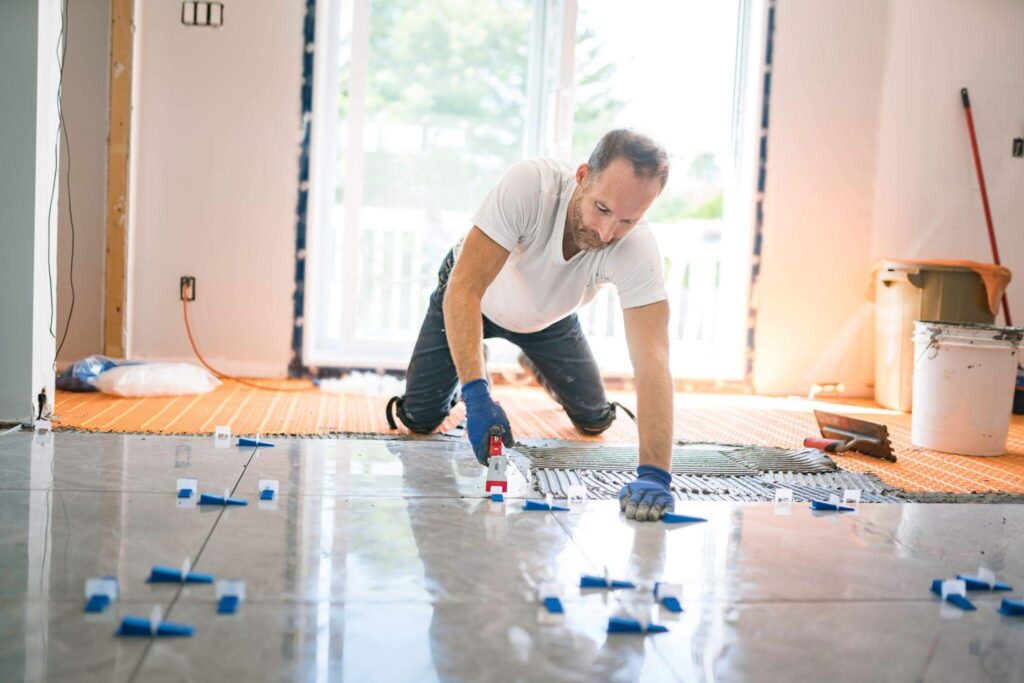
(525, 214)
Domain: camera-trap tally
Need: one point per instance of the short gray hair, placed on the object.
(649, 159)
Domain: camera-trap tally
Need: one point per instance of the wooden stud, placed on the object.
(118, 150)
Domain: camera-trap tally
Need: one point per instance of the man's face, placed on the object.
(610, 204)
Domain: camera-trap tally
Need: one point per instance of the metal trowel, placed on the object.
(840, 434)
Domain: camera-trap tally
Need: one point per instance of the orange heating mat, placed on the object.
(716, 418)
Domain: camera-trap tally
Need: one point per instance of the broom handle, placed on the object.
(984, 193)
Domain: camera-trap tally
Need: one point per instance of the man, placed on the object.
(544, 241)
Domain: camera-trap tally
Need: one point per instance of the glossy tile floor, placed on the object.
(381, 561)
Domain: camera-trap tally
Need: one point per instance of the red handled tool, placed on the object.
(984, 194)
(1018, 397)
(497, 463)
(840, 434)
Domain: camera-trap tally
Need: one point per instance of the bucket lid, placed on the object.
(996, 333)
(917, 266)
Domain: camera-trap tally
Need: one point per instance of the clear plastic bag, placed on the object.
(82, 374)
(156, 379)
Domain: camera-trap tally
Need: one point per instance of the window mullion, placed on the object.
(354, 165)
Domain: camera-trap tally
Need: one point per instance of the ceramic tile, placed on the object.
(748, 552)
(51, 542)
(70, 461)
(390, 550)
(371, 468)
(55, 641)
(476, 642)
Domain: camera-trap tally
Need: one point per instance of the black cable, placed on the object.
(53, 184)
(71, 214)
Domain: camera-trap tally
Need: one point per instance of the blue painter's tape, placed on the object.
(296, 367)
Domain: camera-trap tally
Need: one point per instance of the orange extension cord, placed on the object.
(224, 375)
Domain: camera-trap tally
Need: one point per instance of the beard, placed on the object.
(585, 238)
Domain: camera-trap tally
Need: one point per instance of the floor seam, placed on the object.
(177, 593)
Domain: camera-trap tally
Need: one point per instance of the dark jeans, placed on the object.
(559, 354)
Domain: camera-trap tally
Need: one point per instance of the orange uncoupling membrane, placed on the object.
(715, 418)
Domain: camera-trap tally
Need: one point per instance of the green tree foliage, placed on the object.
(454, 73)
(595, 101)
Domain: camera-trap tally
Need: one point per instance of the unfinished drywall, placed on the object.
(927, 198)
(215, 158)
(812, 318)
(29, 31)
(85, 103)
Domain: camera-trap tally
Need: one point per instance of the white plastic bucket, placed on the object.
(964, 375)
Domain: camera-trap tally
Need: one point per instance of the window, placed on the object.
(422, 106)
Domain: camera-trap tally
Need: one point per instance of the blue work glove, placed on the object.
(482, 413)
(650, 496)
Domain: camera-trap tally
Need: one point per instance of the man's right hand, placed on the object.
(483, 413)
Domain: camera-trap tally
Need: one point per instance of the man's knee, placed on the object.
(593, 424)
(416, 419)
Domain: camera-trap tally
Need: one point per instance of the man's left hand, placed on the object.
(650, 496)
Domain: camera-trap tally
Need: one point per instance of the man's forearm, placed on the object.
(464, 327)
(654, 396)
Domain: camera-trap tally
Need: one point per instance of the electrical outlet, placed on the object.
(187, 284)
(202, 14)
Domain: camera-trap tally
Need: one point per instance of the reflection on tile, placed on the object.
(414, 549)
(747, 552)
(74, 461)
(51, 542)
(374, 468)
(861, 641)
(959, 538)
(446, 642)
(54, 641)
(376, 547)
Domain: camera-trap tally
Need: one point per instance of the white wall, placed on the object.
(829, 60)
(85, 99)
(869, 157)
(29, 32)
(215, 152)
(927, 201)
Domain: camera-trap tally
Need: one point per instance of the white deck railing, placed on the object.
(401, 253)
